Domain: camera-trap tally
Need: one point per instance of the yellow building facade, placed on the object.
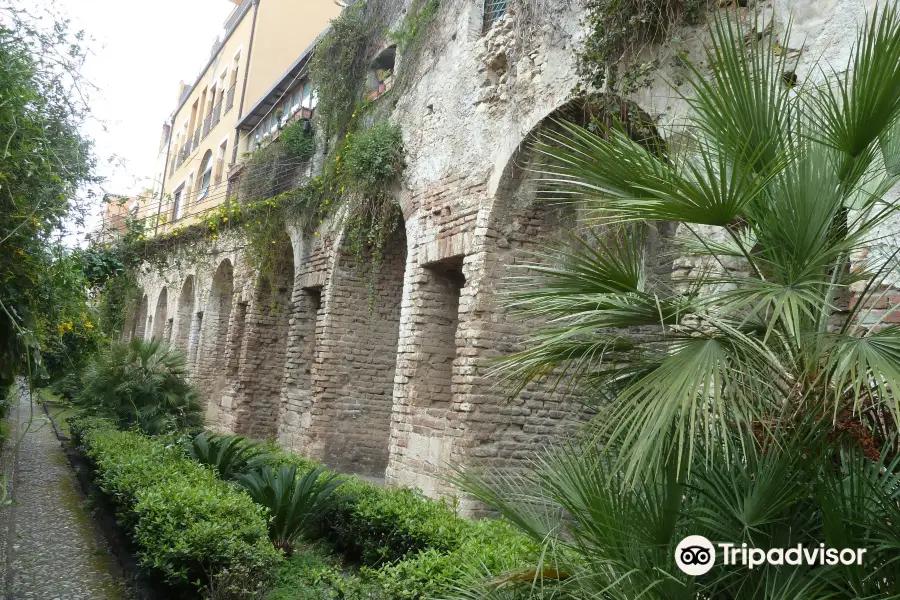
(262, 39)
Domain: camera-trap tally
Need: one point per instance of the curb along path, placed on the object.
(49, 547)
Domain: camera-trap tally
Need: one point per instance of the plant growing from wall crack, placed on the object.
(619, 30)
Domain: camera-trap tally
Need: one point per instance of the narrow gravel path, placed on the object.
(49, 547)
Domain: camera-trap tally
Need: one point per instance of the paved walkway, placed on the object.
(49, 547)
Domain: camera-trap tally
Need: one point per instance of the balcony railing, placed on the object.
(229, 98)
(207, 125)
(217, 114)
(197, 137)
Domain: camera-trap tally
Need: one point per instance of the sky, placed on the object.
(140, 50)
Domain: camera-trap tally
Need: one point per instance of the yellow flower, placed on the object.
(88, 325)
(20, 252)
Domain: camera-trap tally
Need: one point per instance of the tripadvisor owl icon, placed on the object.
(695, 555)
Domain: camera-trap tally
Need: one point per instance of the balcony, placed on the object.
(207, 125)
(217, 114)
(229, 98)
(196, 138)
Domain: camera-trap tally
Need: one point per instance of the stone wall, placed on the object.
(386, 373)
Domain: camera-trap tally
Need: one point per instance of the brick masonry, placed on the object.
(386, 374)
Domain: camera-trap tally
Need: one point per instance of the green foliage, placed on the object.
(746, 400)
(486, 548)
(111, 273)
(618, 30)
(188, 524)
(298, 140)
(372, 159)
(421, 13)
(338, 66)
(409, 546)
(755, 343)
(296, 503)
(602, 532)
(229, 455)
(142, 384)
(380, 525)
(185, 524)
(313, 574)
(369, 165)
(67, 326)
(45, 160)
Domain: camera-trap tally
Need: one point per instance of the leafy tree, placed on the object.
(45, 161)
(748, 400)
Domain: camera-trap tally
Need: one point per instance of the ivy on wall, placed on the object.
(338, 66)
(619, 30)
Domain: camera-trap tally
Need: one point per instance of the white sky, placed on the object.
(141, 50)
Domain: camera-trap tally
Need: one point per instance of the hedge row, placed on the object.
(414, 547)
(187, 524)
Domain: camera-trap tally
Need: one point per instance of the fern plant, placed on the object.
(144, 385)
(228, 454)
(295, 502)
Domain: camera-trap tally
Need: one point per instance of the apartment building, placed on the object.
(261, 39)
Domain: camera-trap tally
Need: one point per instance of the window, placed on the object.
(381, 72)
(177, 199)
(310, 97)
(206, 168)
(296, 99)
(493, 10)
(220, 163)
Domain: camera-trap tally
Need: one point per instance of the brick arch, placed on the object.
(263, 352)
(355, 351)
(184, 316)
(210, 369)
(447, 411)
(159, 330)
(592, 111)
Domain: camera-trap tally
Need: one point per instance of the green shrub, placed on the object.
(488, 547)
(295, 502)
(142, 384)
(315, 574)
(229, 455)
(298, 140)
(380, 525)
(188, 524)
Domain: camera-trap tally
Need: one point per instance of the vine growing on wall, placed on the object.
(619, 30)
(421, 14)
(338, 66)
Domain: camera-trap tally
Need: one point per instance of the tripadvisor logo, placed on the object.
(696, 555)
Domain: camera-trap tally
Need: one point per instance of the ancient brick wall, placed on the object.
(386, 373)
